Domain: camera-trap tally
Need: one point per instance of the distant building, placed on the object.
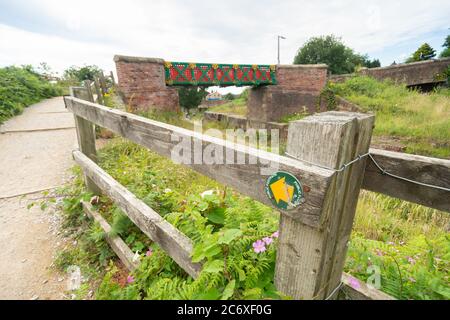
(211, 100)
(214, 96)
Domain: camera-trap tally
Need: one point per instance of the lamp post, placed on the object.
(279, 37)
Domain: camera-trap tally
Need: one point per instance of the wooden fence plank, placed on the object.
(170, 239)
(341, 229)
(79, 92)
(88, 86)
(98, 91)
(86, 135)
(117, 244)
(360, 292)
(103, 82)
(424, 169)
(246, 178)
(310, 260)
(113, 80)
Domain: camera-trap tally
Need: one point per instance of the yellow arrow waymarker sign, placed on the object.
(284, 190)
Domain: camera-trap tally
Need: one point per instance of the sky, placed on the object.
(65, 33)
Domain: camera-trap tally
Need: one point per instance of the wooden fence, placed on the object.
(314, 236)
(94, 91)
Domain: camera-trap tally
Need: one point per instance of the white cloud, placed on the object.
(23, 47)
(91, 32)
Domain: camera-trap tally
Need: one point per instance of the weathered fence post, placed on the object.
(86, 133)
(103, 82)
(90, 95)
(310, 260)
(98, 91)
(113, 80)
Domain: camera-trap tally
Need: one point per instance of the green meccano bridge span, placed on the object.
(207, 74)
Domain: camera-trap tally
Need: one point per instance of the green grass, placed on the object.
(408, 242)
(293, 117)
(237, 106)
(21, 87)
(173, 118)
(420, 120)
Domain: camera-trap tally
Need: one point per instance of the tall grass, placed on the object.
(21, 87)
(420, 120)
(409, 244)
(237, 106)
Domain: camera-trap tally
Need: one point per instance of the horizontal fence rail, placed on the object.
(156, 136)
(426, 170)
(246, 179)
(117, 244)
(171, 240)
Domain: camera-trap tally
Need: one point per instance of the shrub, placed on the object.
(80, 74)
(333, 52)
(191, 97)
(20, 87)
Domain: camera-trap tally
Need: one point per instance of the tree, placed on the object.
(229, 96)
(447, 42)
(82, 73)
(425, 52)
(364, 61)
(331, 51)
(446, 45)
(375, 63)
(244, 94)
(445, 53)
(191, 97)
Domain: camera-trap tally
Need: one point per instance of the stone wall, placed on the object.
(297, 90)
(141, 83)
(413, 74)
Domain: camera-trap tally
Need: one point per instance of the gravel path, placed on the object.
(35, 154)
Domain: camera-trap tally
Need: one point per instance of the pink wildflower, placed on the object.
(354, 283)
(411, 260)
(259, 246)
(379, 252)
(149, 252)
(275, 234)
(267, 240)
(130, 279)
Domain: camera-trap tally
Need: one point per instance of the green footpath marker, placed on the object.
(284, 190)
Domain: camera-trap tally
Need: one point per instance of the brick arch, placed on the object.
(144, 84)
